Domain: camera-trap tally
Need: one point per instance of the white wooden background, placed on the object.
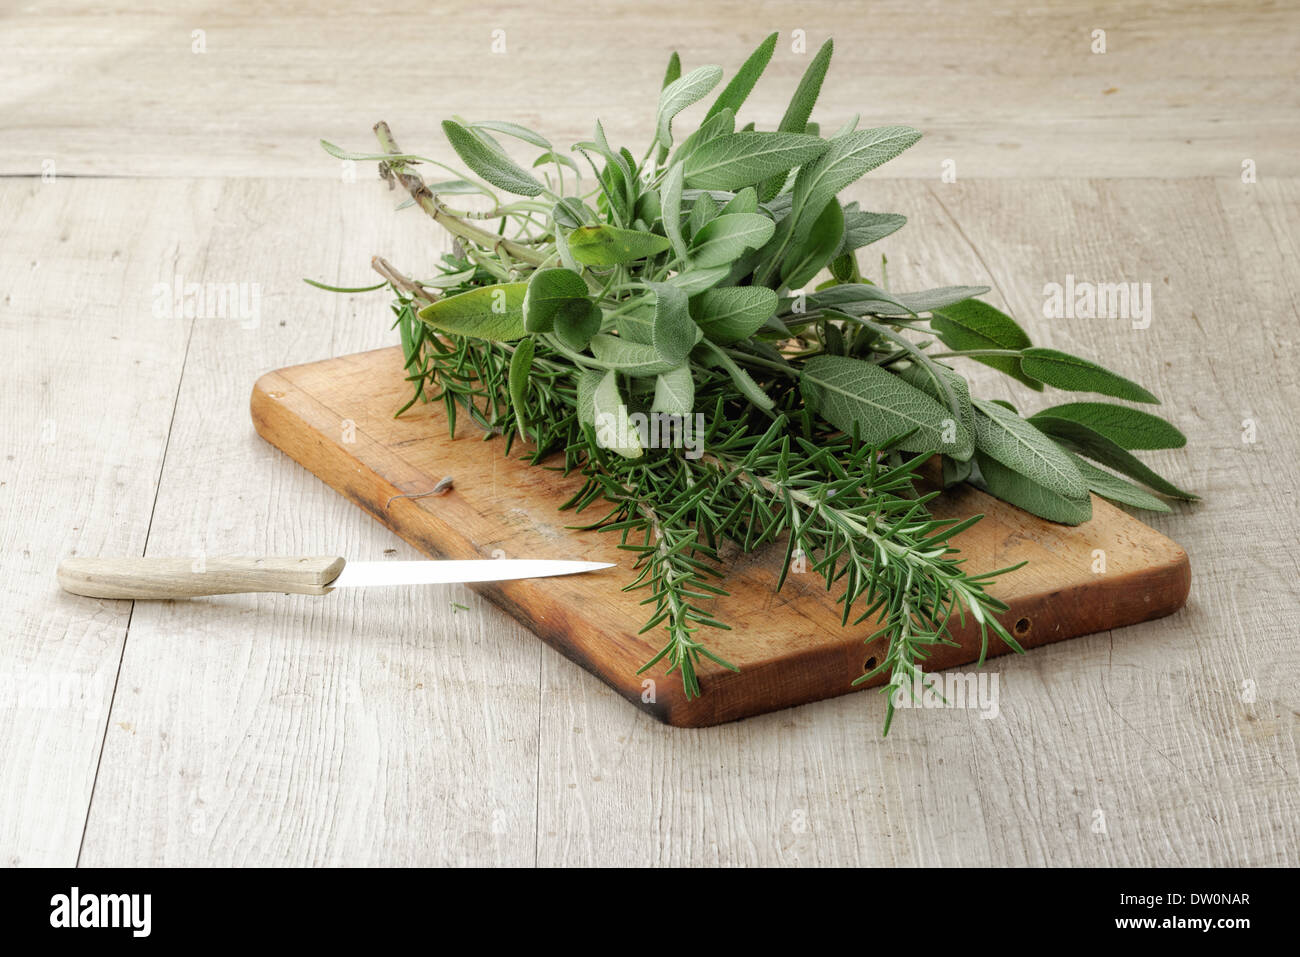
(390, 728)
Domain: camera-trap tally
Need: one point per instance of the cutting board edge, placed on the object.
(824, 672)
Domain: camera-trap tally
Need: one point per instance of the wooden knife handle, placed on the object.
(189, 577)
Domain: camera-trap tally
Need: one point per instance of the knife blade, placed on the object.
(310, 575)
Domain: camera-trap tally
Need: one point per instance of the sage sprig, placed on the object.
(648, 325)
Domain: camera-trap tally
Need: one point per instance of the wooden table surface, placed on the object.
(397, 728)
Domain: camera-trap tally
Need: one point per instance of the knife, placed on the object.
(312, 575)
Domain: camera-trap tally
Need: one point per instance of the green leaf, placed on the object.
(674, 391)
(977, 325)
(801, 105)
(1073, 374)
(613, 430)
(860, 396)
(743, 159)
(515, 130)
(1006, 437)
(549, 292)
(712, 356)
(719, 124)
(570, 212)
(737, 91)
(632, 358)
(1080, 438)
(848, 158)
(863, 228)
(926, 300)
(681, 93)
(494, 313)
(732, 313)
(704, 210)
(1115, 488)
(745, 201)
(670, 208)
(489, 161)
(918, 376)
(695, 280)
(577, 322)
(809, 257)
(674, 333)
(611, 245)
(1127, 428)
(588, 381)
(723, 239)
(1022, 492)
(673, 71)
(520, 364)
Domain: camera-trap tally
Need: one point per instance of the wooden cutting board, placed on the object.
(336, 418)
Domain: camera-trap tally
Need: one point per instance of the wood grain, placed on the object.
(1183, 88)
(336, 419)
(165, 578)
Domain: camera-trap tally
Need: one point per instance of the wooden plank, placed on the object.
(999, 91)
(87, 398)
(261, 730)
(789, 647)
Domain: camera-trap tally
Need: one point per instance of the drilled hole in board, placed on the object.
(871, 663)
(1022, 626)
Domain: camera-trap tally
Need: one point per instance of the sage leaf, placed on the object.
(1064, 371)
(670, 207)
(1127, 428)
(614, 430)
(860, 397)
(515, 130)
(745, 201)
(810, 256)
(795, 118)
(732, 313)
(576, 322)
(919, 376)
(681, 93)
(743, 159)
(611, 245)
(494, 313)
(489, 161)
(863, 228)
(735, 93)
(520, 365)
(723, 239)
(1023, 492)
(927, 300)
(846, 159)
(674, 333)
(1116, 489)
(630, 358)
(713, 356)
(588, 380)
(1088, 442)
(674, 391)
(703, 211)
(1002, 435)
(549, 291)
(695, 280)
(973, 324)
